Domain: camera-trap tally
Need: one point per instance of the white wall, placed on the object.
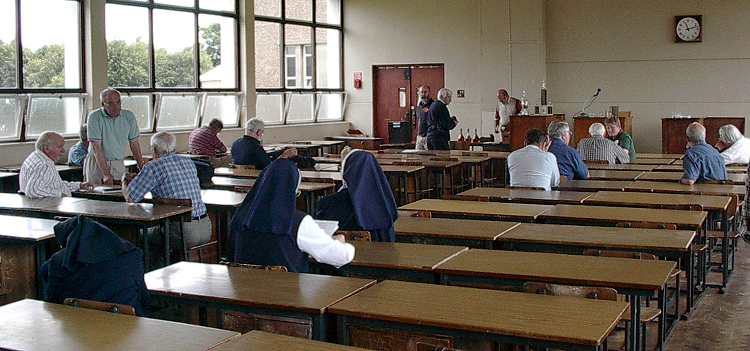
(627, 48)
(484, 44)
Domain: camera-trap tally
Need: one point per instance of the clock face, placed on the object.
(688, 29)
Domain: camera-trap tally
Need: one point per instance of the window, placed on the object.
(298, 57)
(177, 111)
(225, 107)
(10, 113)
(60, 113)
(140, 105)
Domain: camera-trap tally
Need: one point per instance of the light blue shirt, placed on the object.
(76, 154)
(114, 133)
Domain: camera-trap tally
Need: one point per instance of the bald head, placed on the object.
(503, 96)
(696, 133)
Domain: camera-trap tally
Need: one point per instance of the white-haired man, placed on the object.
(248, 150)
(701, 162)
(39, 177)
(110, 128)
(734, 147)
(169, 176)
(440, 122)
(599, 148)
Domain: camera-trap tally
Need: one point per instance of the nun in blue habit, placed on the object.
(268, 229)
(365, 201)
(94, 264)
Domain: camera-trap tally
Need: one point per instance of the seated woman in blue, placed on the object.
(268, 229)
(365, 202)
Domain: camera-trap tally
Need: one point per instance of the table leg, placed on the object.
(41, 257)
(662, 296)
(634, 336)
(146, 252)
(689, 270)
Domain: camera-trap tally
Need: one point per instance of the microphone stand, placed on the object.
(588, 104)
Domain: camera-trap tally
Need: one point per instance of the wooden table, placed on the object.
(478, 210)
(457, 232)
(697, 188)
(307, 150)
(621, 167)
(679, 168)
(257, 340)
(652, 155)
(8, 182)
(407, 182)
(329, 146)
(398, 261)
(23, 248)
(652, 161)
(459, 317)
(310, 191)
(593, 185)
(603, 174)
(635, 278)
(735, 178)
(37, 325)
(359, 142)
(606, 215)
(69, 173)
(528, 196)
(717, 204)
(303, 298)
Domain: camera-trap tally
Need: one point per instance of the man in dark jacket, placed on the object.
(248, 150)
(423, 106)
(440, 122)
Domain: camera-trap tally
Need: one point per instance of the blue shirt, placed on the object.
(568, 160)
(702, 162)
(76, 154)
(169, 177)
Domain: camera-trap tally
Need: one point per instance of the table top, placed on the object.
(594, 185)
(309, 293)
(650, 155)
(257, 340)
(605, 174)
(237, 172)
(37, 325)
(600, 237)
(414, 257)
(736, 178)
(641, 199)
(400, 168)
(542, 317)
(617, 273)
(613, 215)
(357, 138)
(509, 211)
(19, 202)
(26, 229)
(8, 174)
(622, 167)
(451, 228)
(525, 195)
(318, 142)
(59, 168)
(302, 146)
(678, 168)
(211, 197)
(652, 161)
(697, 188)
(248, 183)
(140, 212)
(322, 175)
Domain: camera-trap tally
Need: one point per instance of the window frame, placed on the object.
(29, 100)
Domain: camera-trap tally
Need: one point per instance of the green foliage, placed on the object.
(211, 44)
(7, 64)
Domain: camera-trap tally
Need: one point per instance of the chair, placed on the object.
(355, 235)
(101, 306)
(733, 235)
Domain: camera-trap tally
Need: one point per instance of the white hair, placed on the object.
(45, 140)
(729, 134)
(696, 133)
(444, 93)
(106, 92)
(597, 129)
(163, 143)
(557, 129)
(254, 125)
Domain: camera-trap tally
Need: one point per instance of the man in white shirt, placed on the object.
(533, 166)
(39, 177)
(734, 147)
(506, 106)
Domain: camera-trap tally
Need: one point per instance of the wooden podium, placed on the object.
(673, 138)
(581, 125)
(519, 125)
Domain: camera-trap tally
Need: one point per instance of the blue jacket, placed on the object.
(569, 161)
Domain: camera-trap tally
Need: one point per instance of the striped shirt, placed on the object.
(39, 178)
(602, 149)
(203, 141)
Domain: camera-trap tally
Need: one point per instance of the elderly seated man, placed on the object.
(599, 148)
(619, 136)
(734, 147)
(701, 162)
(205, 141)
(169, 176)
(39, 177)
(533, 166)
(568, 159)
(79, 151)
(248, 150)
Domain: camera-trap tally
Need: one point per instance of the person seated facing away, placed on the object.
(701, 162)
(268, 229)
(94, 264)
(78, 152)
(569, 161)
(616, 134)
(248, 150)
(169, 176)
(533, 166)
(38, 177)
(365, 202)
(599, 148)
(734, 147)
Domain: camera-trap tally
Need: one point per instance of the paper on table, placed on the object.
(105, 189)
(329, 227)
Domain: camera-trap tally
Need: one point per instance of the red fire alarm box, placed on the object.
(357, 80)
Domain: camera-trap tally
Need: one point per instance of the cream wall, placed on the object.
(627, 48)
(484, 44)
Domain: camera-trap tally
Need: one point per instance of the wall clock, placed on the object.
(688, 29)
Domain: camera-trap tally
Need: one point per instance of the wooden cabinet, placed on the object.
(673, 138)
(581, 125)
(519, 125)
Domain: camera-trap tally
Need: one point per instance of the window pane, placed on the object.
(218, 5)
(223, 107)
(174, 40)
(297, 37)
(328, 11)
(50, 32)
(328, 55)
(9, 107)
(218, 44)
(127, 46)
(178, 111)
(8, 45)
(298, 9)
(62, 115)
(186, 3)
(140, 105)
(300, 108)
(330, 107)
(269, 8)
(267, 55)
(269, 107)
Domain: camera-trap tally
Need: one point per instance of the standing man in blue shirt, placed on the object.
(702, 162)
(569, 161)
